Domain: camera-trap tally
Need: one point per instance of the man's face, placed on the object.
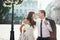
(40, 15)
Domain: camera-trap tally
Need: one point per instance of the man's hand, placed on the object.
(21, 27)
(46, 23)
(23, 30)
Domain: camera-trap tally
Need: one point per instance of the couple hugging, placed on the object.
(46, 28)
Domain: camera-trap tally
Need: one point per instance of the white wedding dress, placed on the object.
(28, 35)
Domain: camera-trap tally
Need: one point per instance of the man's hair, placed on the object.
(43, 11)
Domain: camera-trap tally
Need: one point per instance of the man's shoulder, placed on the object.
(49, 19)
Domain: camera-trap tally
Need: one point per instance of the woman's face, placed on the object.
(33, 16)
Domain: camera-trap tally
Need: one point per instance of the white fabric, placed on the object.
(28, 35)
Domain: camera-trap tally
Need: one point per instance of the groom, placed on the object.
(44, 26)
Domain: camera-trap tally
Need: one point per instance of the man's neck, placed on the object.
(42, 18)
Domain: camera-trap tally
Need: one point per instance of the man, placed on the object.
(44, 26)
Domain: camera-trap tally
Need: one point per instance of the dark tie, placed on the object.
(41, 28)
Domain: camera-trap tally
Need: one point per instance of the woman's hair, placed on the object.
(30, 19)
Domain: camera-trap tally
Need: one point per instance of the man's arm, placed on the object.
(49, 27)
(53, 26)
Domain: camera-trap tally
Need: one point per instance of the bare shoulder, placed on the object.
(26, 21)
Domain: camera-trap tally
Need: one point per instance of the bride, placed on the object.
(27, 27)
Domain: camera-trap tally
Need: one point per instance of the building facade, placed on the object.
(21, 10)
(53, 11)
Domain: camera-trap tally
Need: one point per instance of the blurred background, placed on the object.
(52, 8)
(21, 10)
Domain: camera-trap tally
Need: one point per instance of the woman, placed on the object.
(27, 27)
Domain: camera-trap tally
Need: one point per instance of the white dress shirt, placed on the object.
(46, 29)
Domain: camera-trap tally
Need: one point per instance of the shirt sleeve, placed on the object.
(49, 27)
